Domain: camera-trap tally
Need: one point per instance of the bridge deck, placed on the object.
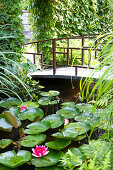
(66, 72)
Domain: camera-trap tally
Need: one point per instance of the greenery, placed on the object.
(58, 19)
(11, 29)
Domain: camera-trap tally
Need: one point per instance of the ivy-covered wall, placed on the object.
(58, 18)
(11, 28)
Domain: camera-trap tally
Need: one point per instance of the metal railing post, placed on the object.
(34, 61)
(67, 52)
(82, 51)
(37, 47)
(54, 56)
(95, 48)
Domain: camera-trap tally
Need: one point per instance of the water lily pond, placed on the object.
(50, 135)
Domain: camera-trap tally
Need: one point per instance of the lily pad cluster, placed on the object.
(49, 131)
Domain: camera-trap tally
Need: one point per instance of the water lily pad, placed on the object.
(79, 137)
(50, 159)
(37, 127)
(53, 102)
(44, 94)
(31, 113)
(55, 120)
(14, 110)
(11, 117)
(68, 104)
(66, 134)
(4, 124)
(68, 112)
(5, 103)
(2, 167)
(5, 142)
(44, 100)
(83, 117)
(80, 127)
(33, 140)
(58, 144)
(50, 168)
(29, 104)
(54, 93)
(13, 159)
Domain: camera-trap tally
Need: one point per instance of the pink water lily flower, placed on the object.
(40, 151)
(22, 108)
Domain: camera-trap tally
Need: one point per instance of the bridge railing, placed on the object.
(67, 51)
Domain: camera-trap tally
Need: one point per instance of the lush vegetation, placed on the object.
(11, 28)
(42, 132)
(53, 19)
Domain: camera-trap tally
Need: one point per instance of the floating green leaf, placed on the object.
(33, 140)
(50, 168)
(53, 102)
(5, 103)
(55, 120)
(2, 167)
(11, 117)
(44, 94)
(58, 144)
(50, 159)
(66, 134)
(44, 100)
(68, 104)
(29, 104)
(68, 112)
(30, 113)
(54, 93)
(14, 110)
(12, 160)
(5, 142)
(38, 127)
(80, 127)
(79, 137)
(50, 93)
(4, 124)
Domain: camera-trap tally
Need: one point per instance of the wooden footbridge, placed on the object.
(53, 71)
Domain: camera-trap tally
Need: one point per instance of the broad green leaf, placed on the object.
(83, 117)
(79, 137)
(44, 94)
(4, 124)
(33, 140)
(68, 104)
(68, 112)
(6, 103)
(50, 159)
(80, 127)
(58, 144)
(38, 127)
(2, 167)
(13, 159)
(29, 104)
(54, 93)
(11, 117)
(14, 110)
(50, 168)
(44, 100)
(5, 142)
(30, 113)
(66, 134)
(53, 102)
(50, 93)
(55, 120)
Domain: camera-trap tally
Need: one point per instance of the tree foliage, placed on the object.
(58, 18)
(11, 28)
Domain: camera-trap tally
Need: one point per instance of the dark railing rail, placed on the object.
(67, 49)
